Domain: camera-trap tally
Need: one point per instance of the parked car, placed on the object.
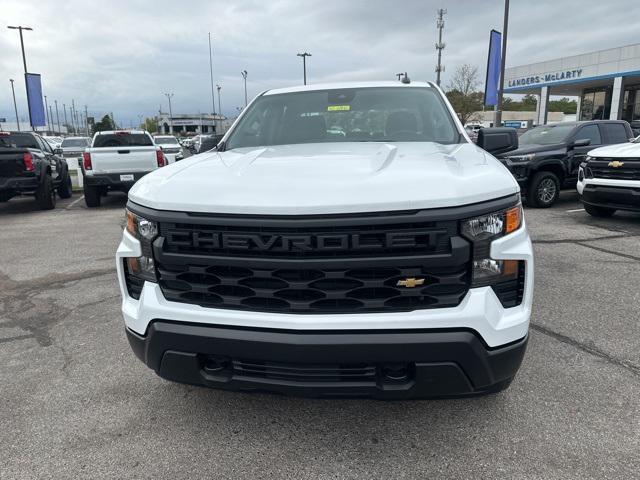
(54, 141)
(390, 262)
(116, 160)
(609, 179)
(549, 156)
(170, 146)
(29, 166)
(210, 141)
(72, 149)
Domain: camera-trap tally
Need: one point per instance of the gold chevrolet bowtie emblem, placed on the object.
(616, 164)
(410, 282)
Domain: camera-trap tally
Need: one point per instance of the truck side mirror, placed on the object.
(498, 140)
(583, 142)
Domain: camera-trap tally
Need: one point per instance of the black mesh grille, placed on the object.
(629, 170)
(314, 290)
(305, 373)
(134, 284)
(510, 293)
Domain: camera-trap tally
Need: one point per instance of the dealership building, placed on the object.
(606, 82)
(201, 123)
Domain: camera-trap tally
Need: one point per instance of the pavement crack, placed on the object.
(604, 250)
(591, 350)
(13, 339)
(578, 240)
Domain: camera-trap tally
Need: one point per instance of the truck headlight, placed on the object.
(145, 231)
(481, 231)
(522, 158)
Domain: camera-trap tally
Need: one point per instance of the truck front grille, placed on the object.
(313, 264)
(628, 170)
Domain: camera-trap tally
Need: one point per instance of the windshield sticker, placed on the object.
(338, 108)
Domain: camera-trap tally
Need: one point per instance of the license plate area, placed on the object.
(126, 178)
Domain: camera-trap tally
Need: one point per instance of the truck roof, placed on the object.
(122, 132)
(341, 85)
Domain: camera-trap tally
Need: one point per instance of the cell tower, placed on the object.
(440, 45)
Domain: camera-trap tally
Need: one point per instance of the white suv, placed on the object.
(390, 260)
(609, 179)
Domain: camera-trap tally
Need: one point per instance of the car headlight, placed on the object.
(481, 231)
(588, 158)
(146, 232)
(522, 158)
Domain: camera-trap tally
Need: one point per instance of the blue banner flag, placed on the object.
(491, 85)
(34, 99)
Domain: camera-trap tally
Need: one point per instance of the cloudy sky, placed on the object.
(120, 56)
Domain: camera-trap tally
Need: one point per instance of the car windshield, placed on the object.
(166, 141)
(123, 139)
(74, 142)
(546, 135)
(18, 140)
(372, 114)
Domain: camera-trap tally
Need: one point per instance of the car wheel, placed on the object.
(598, 211)
(46, 194)
(92, 196)
(65, 190)
(544, 190)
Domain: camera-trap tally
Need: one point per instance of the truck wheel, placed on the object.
(92, 196)
(599, 211)
(65, 190)
(544, 190)
(45, 194)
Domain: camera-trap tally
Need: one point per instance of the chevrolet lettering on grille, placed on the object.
(427, 239)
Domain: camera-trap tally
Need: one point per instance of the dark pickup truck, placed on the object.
(29, 166)
(549, 156)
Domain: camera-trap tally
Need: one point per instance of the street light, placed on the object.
(219, 107)
(15, 106)
(57, 117)
(20, 28)
(169, 95)
(304, 64)
(244, 75)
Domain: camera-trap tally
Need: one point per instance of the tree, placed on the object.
(105, 124)
(150, 124)
(463, 94)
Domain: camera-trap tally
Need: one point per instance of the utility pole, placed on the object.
(57, 117)
(244, 76)
(64, 109)
(73, 116)
(304, 64)
(498, 119)
(169, 95)
(52, 122)
(46, 108)
(140, 122)
(86, 120)
(15, 105)
(440, 45)
(219, 107)
(20, 28)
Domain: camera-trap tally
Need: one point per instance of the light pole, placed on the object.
(169, 95)
(15, 106)
(244, 76)
(304, 64)
(46, 108)
(52, 124)
(498, 119)
(64, 109)
(213, 102)
(140, 121)
(57, 116)
(20, 28)
(219, 107)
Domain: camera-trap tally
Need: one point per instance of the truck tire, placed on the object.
(599, 211)
(544, 190)
(45, 194)
(65, 190)
(92, 196)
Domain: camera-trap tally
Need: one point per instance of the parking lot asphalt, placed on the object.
(76, 403)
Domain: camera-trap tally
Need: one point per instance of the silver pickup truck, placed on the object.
(116, 160)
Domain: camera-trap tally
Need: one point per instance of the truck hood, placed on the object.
(619, 150)
(327, 178)
(527, 149)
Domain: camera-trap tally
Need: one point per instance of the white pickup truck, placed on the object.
(116, 160)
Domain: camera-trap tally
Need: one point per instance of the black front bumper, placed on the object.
(385, 365)
(619, 198)
(112, 180)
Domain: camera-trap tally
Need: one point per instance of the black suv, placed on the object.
(28, 165)
(549, 155)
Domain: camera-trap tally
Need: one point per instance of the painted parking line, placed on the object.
(74, 202)
(576, 210)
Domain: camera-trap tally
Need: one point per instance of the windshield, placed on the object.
(381, 114)
(546, 135)
(74, 142)
(19, 140)
(166, 141)
(123, 139)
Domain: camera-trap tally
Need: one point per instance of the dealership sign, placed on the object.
(546, 78)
